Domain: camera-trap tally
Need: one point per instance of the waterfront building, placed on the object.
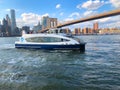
(26, 29)
(77, 31)
(37, 28)
(85, 30)
(95, 27)
(8, 20)
(6, 29)
(109, 31)
(13, 21)
(45, 22)
(5, 23)
(1, 34)
(90, 31)
(65, 30)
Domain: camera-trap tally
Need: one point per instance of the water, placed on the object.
(96, 69)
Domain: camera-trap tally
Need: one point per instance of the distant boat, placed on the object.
(49, 41)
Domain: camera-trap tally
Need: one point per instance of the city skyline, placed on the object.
(30, 12)
(9, 28)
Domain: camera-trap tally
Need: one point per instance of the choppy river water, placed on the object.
(96, 69)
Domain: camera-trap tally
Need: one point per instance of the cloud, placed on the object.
(7, 10)
(90, 13)
(61, 14)
(58, 6)
(78, 6)
(109, 19)
(29, 19)
(92, 5)
(65, 20)
(69, 19)
(109, 22)
(115, 3)
(75, 14)
(45, 14)
(104, 20)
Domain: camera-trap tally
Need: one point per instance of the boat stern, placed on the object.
(82, 47)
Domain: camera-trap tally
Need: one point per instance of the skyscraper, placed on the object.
(37, 27)
(95, 27)
(45, 21)
(13, 21)
(8, 20)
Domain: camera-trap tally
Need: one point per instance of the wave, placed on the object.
(7, 46)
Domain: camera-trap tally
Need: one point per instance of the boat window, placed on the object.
(56, 31)
(45, 39)
(77, 39)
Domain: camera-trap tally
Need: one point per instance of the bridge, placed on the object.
(98, 16)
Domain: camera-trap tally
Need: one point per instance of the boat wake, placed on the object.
(7, 46)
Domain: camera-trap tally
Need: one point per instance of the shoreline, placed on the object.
(74, 35)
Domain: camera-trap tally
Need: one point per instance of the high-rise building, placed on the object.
(45, 21)
(26, 29)
(38, 27)
(95, 27)
(6, 29)
(8, 20)
(13, 21)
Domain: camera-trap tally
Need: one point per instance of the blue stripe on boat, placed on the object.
(48, 47)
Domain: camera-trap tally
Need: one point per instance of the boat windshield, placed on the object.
(77, 39)
(45, 39)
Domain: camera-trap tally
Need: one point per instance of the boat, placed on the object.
(49, 41)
